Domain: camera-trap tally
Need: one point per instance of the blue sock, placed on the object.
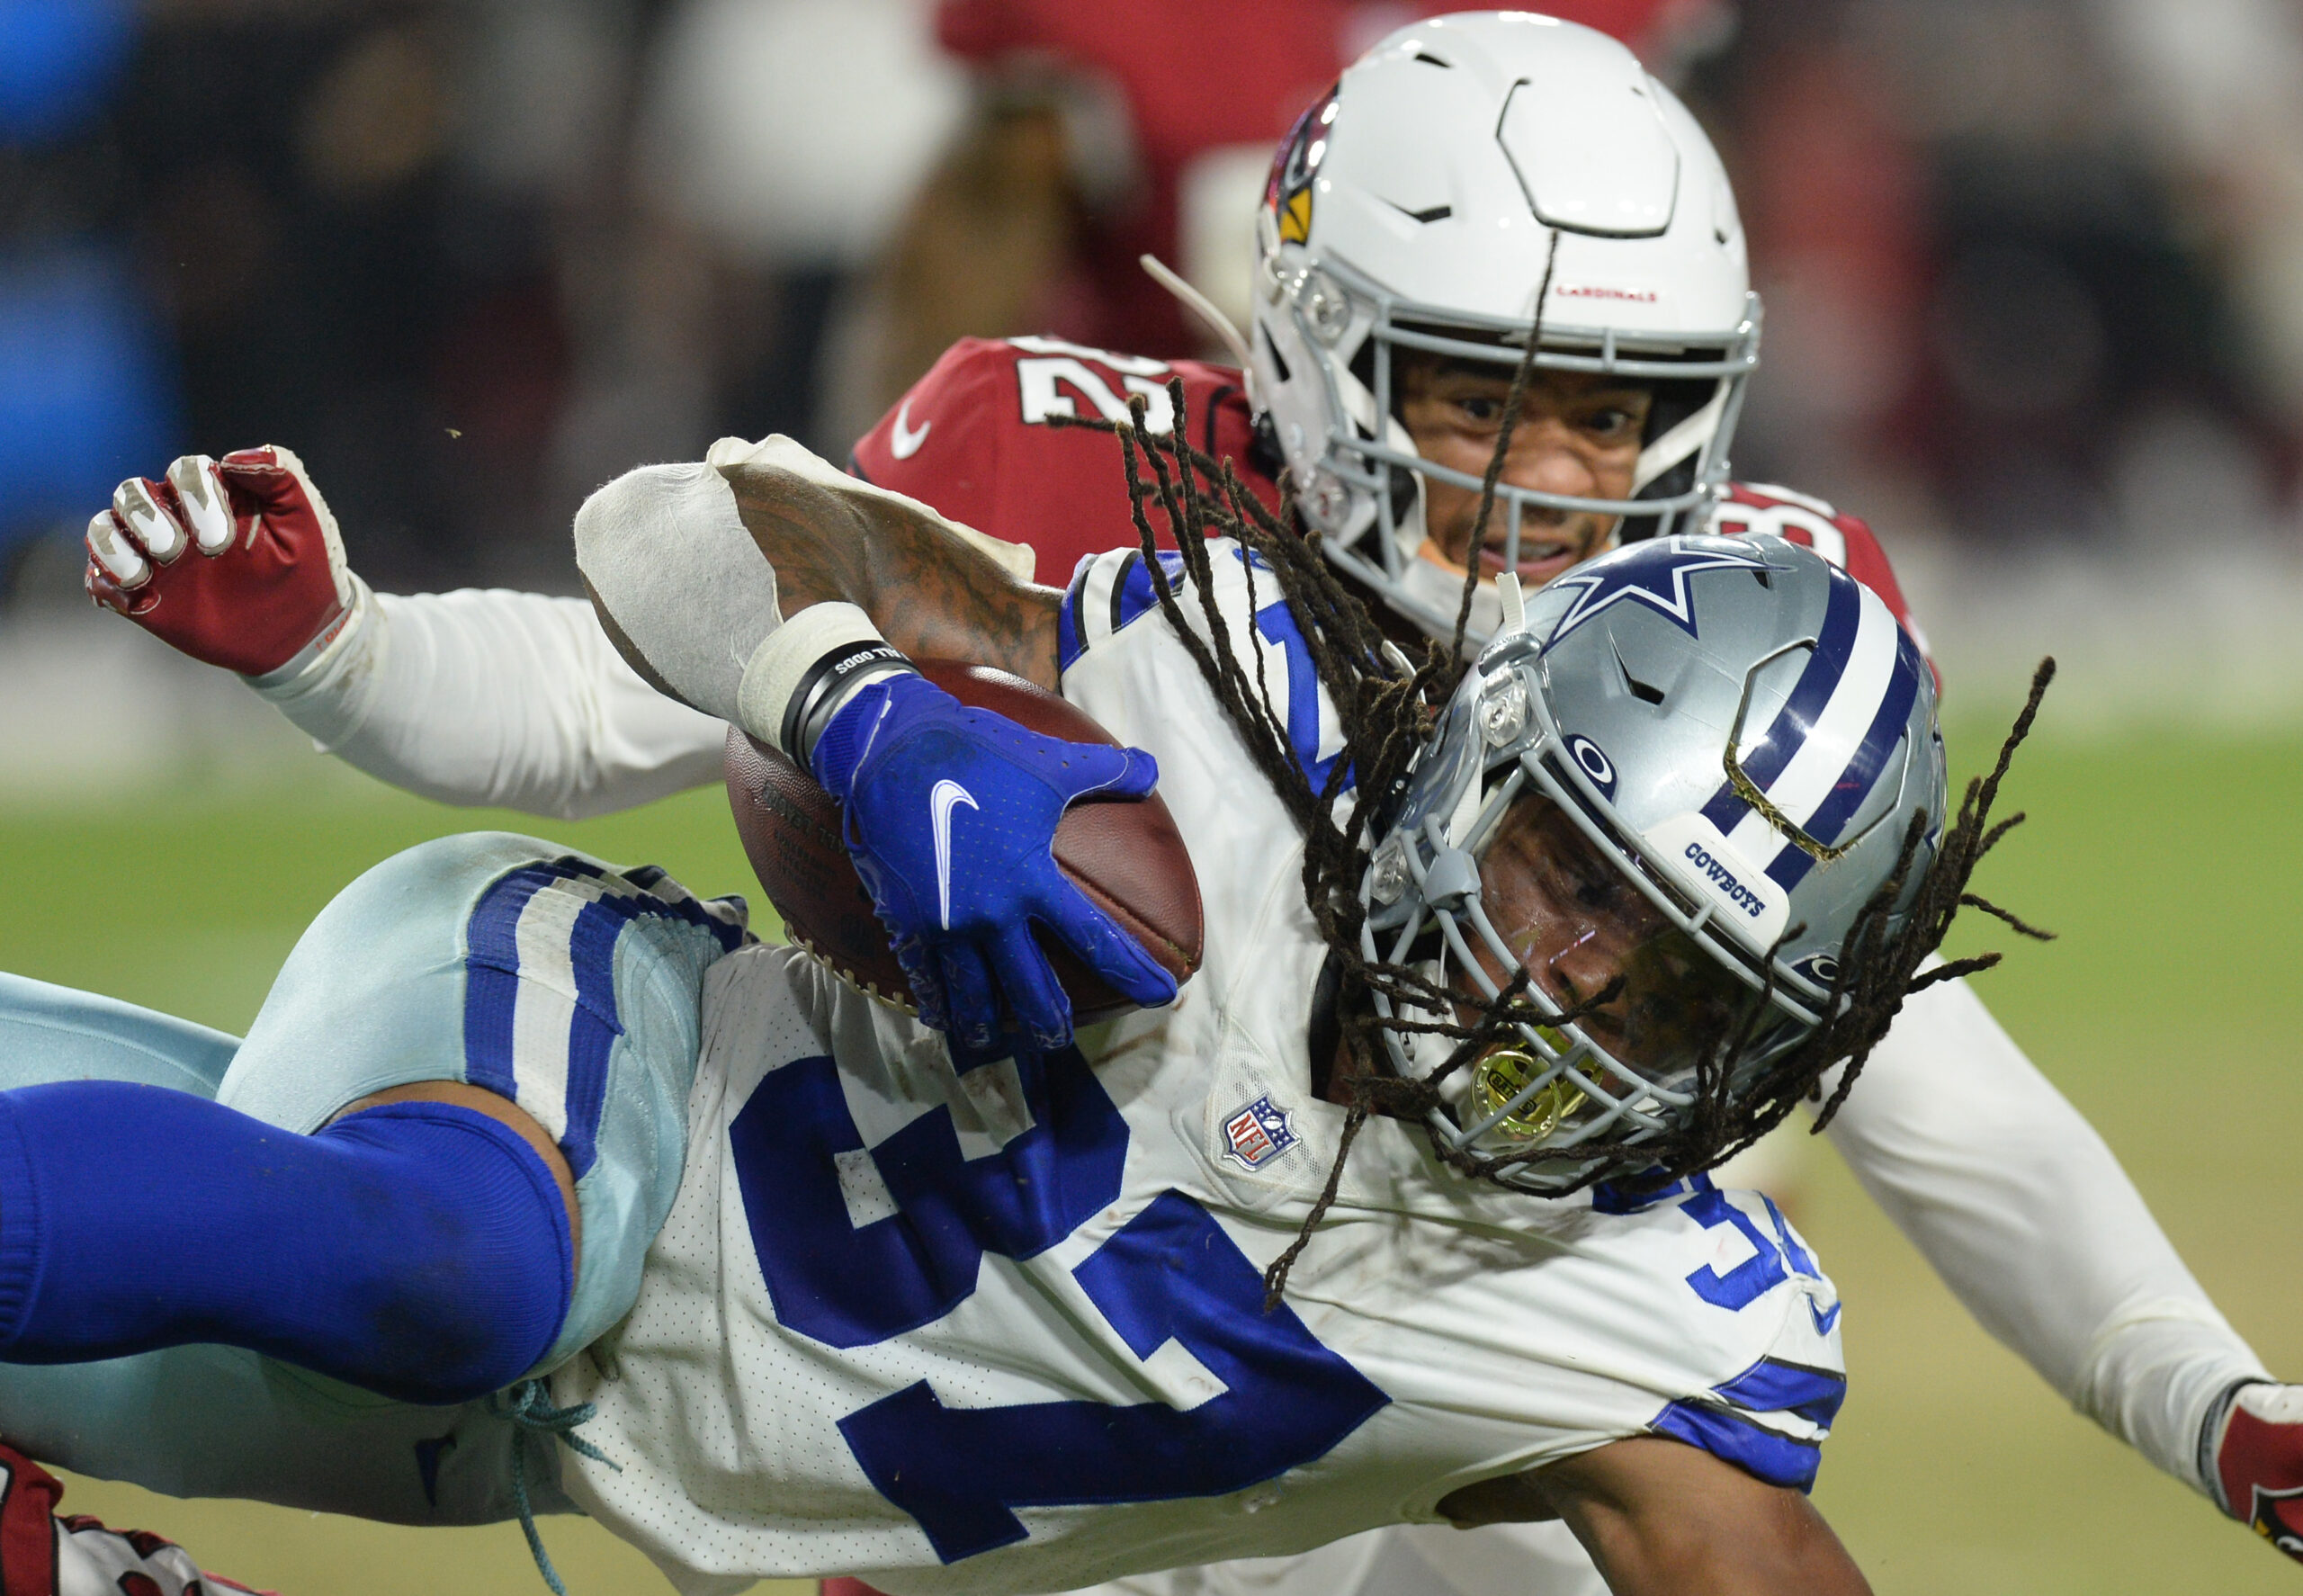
(418, 1249)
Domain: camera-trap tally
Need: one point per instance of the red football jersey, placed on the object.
(972, 440)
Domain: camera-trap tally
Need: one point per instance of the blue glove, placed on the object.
(951, 817)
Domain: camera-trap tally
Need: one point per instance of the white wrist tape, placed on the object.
(803, 668)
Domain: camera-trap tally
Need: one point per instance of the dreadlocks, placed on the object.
(1387, 705)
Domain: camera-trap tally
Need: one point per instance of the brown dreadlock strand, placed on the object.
(1488, 479)
(1275, 1279)
(1875, 992)
(1380, 696)
(1385, 704)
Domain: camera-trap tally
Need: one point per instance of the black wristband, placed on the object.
(823, 686)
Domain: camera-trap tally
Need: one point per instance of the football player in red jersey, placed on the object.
(1418, 223)
(999, 463)
(1378, 377)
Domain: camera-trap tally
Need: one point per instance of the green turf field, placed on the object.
(2168, 1011)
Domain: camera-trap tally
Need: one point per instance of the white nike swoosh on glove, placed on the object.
(941, 800)
(902, 442)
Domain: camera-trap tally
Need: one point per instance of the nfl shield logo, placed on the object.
(1258, 1133)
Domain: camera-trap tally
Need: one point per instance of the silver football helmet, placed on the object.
(1691, 762)
(1419, 206)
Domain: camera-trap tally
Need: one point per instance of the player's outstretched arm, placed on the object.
(790, 601)
(508, 699)
(2029, 1219)
(1662, 1519)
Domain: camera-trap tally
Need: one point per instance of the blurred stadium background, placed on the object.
(2034, 276)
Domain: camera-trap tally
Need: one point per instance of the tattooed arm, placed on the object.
(692, 567)
(790, 600)
(930, 592)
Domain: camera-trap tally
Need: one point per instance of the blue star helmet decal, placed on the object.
(1655, 574)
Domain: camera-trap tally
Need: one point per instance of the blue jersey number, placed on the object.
(1169, 1274)
(1774, 1259)
(854, 1286)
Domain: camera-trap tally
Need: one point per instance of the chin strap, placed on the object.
(1680, 441)
(1206, 309)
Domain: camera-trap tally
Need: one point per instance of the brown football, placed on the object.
(1124, 854)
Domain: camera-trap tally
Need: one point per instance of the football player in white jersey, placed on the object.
(501, 699)
(522, 1142)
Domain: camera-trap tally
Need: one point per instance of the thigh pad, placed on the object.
(569, 986)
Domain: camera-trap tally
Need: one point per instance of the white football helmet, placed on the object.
(1418, 206)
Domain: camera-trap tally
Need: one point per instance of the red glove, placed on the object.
(266, 579)
(43, 1552)
(2259, 1463)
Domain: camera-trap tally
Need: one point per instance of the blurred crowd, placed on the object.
(2033, 268)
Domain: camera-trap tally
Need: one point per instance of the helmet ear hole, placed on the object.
(1403, 489)
(1278, 362)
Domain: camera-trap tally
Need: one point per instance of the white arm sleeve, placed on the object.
(2030, 1221)
(500, 698)
(520, 701)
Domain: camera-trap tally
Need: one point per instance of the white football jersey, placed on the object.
(1004, 1330)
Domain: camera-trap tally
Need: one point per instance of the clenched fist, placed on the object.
(2259, 1463)
(234, 562)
